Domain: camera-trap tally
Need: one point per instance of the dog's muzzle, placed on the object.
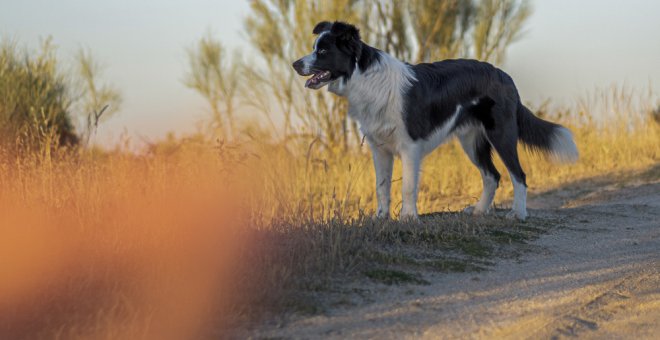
(299, 66)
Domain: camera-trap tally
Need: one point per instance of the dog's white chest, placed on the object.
(375, 100)
(382, 128)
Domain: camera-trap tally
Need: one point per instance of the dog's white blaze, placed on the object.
(310, 59)
(316, 42)
(563, 148)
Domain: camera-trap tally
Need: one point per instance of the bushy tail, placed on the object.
(543, 136)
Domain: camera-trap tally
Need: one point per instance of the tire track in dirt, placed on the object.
(636, 292)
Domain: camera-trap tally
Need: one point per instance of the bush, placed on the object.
(37, 99)
(34, 98)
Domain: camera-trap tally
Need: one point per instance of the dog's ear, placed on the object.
(348, 36)
(321, 27)
(345, 31)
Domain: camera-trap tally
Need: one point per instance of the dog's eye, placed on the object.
(322, 51)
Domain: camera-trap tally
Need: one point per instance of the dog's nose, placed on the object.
(298, 65)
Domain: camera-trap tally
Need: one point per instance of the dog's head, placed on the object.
(336, 51)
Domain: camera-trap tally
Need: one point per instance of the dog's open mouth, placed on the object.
(318, 79)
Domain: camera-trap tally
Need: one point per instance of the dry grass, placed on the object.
(114, 245)
(318, 185)
(170, 242)
(314, 208)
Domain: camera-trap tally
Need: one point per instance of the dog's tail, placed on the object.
(543, 136)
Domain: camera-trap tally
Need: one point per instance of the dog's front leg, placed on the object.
(383, 161)
(411, 158)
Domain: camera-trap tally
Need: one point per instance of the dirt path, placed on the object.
(596, 277)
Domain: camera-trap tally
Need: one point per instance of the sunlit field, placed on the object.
(266, 211)
(612, 135)
(189, 235)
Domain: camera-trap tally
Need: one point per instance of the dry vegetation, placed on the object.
(113, 244)
(620, 136)
(188, 235)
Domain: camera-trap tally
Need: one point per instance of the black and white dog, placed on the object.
(409, 110)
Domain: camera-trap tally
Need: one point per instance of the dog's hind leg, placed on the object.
(504, 139)
(479, 150)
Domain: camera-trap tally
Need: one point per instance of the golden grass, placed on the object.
(318, 185)
(168, 242)
(114, 245)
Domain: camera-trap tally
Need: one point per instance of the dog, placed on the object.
(409, 110)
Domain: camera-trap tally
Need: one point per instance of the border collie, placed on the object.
(409, 110)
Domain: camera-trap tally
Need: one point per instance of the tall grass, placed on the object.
(116, 245)
(313, 207)
(614, 130)
(173, 241)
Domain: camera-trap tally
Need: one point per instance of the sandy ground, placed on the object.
(596, 276)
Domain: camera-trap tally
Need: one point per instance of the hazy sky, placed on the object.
(570, 47)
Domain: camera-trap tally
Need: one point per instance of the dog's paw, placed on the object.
(382, 215)
(517, 215)
(408, 211)
(473, 210)
(408, 216)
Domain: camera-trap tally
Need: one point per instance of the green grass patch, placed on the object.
(473, 247)
(390, 258)
(501, 236)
